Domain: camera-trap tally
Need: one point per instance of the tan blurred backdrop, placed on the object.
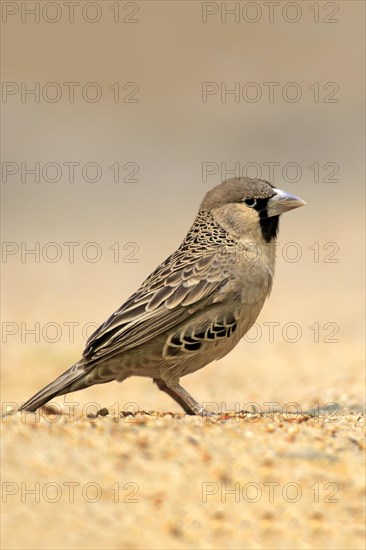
(166, 133)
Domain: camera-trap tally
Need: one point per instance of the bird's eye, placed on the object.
(250, 202)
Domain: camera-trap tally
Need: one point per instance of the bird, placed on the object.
(196, 305)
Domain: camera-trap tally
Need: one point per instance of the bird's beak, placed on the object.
(282, 202)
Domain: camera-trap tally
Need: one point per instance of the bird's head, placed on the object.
(249, 207)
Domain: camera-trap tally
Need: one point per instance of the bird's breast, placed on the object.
(253, 266)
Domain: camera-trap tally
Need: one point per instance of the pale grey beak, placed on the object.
(282, 202)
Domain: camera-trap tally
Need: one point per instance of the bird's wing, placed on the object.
(173, 293)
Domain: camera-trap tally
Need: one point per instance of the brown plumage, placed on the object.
(195, 306)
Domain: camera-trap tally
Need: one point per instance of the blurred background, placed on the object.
(137, 110)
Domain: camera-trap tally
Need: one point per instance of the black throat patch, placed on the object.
(269, 226)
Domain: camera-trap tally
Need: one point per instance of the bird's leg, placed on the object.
(182, 397)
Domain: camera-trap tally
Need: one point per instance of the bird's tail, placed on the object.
(75, 378)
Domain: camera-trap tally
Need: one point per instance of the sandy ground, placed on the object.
(112, 480)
